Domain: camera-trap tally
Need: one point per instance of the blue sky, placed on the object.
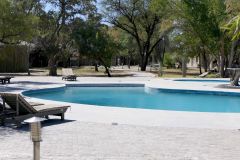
(49, 7)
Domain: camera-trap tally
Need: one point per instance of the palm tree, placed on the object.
(233, 27)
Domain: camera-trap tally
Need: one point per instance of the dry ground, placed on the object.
(116, 71)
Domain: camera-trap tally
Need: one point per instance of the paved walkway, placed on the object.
(90, 133)
(75, 140)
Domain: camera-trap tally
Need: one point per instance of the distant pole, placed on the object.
(28, 53)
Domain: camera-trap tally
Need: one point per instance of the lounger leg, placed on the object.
(47, 117)
(2, 121)
(18, 124)
(62, 116)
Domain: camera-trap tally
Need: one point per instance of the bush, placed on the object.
(169, 61)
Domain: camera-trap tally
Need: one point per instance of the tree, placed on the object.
(233, 30)
(205, 18)
(17, 21)
(93, 41)
(142, 19)
(232, 27)
(160, 53)
(186, 46)
(126, 44)
(57, 27)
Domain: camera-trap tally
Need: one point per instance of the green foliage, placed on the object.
(16, 23)
(94, 42)
(143, 20)
(232, 7)
(233, 28)
(125, 43)
(169, 61)
(185, 44)
(200, 26)
(140, 27)
(56, 27)
(204, 17)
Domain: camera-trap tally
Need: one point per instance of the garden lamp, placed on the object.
(35, 127)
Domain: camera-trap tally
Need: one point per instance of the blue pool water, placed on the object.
(138, 97)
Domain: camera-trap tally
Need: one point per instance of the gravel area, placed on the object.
(75, 140)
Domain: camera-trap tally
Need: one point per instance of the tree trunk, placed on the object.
(184, 66)
(233, 52)
(144, 62)
(234, 77)
(96, 66)
(52, 67)
(107, 71)
(129, 62)
(205, 62)
(222, 64)
(160, 71)
(222, 59)
(105, 66)
(200, 64)
(218, 63)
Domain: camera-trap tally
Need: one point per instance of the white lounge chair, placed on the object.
(24, 109)
(67, 74)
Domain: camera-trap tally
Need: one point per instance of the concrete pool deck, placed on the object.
(91, 133)
(132, 116)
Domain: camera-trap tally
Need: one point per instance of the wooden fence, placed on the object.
(13, 58)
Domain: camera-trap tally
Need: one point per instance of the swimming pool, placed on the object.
(139, 97)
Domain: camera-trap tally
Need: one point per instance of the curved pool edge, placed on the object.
(147, 88)
(148, 117)
(29, 91)
(203, 80)
(191, 91)
(191, 87)
(106, 85)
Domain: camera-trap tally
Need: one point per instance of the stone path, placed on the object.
(75, 140)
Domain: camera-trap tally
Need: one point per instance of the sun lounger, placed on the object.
(5, 113)
(67, 74)
(5, 79)
(24, 110)
(203, 74)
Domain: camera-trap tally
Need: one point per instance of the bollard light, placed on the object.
(35, 127)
